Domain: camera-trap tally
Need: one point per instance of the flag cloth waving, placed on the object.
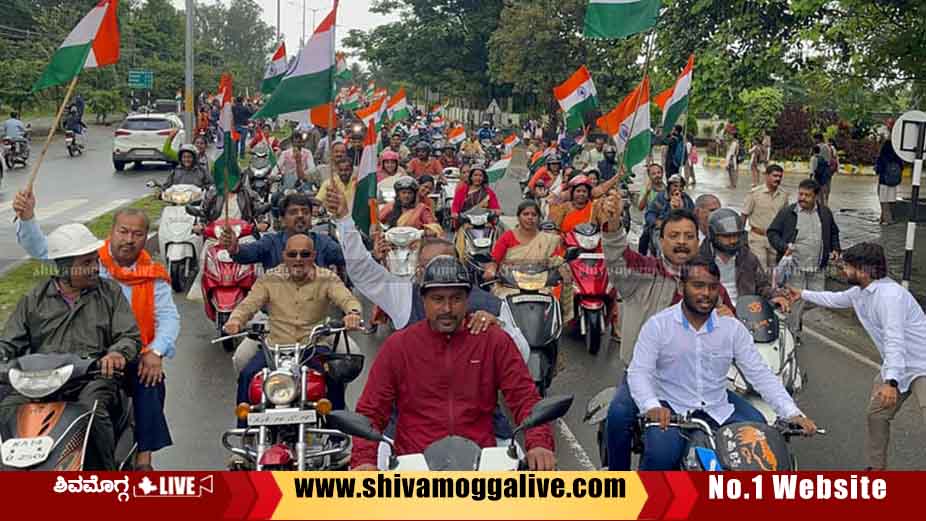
(497, 169)
(93, 43)
(364, 204)
(629, 125)
(225, 169)
(276, 69)
(674, 100)
(397, 108)
(309, 81)
(343, 73)
(577, 96)
(456, 136)
(373, 114)
(619, 18)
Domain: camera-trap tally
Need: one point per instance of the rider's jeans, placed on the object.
(151, 430)
(623, 414)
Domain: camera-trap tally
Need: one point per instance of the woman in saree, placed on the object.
(407, 210)
(425, 187)
(474, 193)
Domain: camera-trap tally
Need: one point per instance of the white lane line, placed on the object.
(842, 349)
(57, 207)
(93, 213)
(581, 456)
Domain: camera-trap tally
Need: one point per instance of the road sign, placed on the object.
(494, 108)
(141, 79)
(908, 134)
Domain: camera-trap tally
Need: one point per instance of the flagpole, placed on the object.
(51, 133)
(334, 61)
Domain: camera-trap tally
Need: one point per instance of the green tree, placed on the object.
(759, 111)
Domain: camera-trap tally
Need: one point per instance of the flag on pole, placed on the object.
(371, 90)
(577, 96)
(364, 204)
(629, 125)
(275, 71)
(397, 109)
(373, 114)
(456, 135)
(619, 18)
(309, 82)
(497, 169)
(511, 142)
(225, 168)
(93, 43)
(342, 72)
(352, 100)
(674, 100)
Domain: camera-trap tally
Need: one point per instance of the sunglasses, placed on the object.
(303, 254)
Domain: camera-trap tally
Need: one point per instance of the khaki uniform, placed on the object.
(761, 207)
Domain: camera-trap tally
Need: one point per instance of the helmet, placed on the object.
(609, 149)
(676, 179)
(579, 180)
(423, 145)
(300, 136)
(72, 240)
(553, 158)
(445, 271)
(725, 221)
(425, 179)
(405, 183)
(591, 170)
(485, 124)
(389, 155)
(188, 149)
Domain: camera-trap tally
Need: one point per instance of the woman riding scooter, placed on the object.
(189, 172)
(407, 210)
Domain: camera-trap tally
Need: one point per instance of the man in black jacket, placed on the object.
(808, 232)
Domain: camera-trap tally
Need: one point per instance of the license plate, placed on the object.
(520, 299)
(25, 452)
(144, 152)
(281, 417)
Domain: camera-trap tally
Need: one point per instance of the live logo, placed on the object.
(170, 486)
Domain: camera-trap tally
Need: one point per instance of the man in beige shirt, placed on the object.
(345, 179)
(762, 205)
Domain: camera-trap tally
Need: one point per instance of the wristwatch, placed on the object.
(891, 382)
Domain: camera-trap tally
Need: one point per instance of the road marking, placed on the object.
(842, 349)
(47, 212)
(100, 210)
(581, 456)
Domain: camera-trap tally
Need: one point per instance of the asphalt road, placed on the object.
(71, 189)
(201, 386)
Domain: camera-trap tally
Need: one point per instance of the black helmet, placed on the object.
(423, 145)
(405, 183)
(343, 368)
(445, 271)
(725, 221)
(553, 158)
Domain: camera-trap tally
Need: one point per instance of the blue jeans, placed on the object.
(151, 430)
(242, 139)
(622, 417)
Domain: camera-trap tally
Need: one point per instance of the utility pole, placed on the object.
(278, 21)
(188, 97)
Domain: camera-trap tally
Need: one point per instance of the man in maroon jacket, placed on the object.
(445, 381)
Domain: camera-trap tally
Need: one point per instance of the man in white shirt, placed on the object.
(896, 323)
(680, 366)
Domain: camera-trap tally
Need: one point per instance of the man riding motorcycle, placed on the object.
(190, 171)
(449, 157)
(298, 166)
(13, 128)
(75, 311)
(423, 163)
(485, 132)
(445, 380)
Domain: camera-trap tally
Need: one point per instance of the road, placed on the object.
(201, 387)
(71, 189)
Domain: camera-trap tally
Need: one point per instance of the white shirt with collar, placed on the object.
(894, 320)
(688, 369)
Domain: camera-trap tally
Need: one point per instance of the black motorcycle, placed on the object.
(481, 230)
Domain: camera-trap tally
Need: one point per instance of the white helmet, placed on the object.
(72, 240)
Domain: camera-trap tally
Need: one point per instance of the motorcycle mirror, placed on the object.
(353, 424)
(545, 411)
(194, 210)
(572, 254)
(151, 184)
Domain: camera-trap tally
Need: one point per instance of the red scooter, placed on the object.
(594, 294)
(225, 283)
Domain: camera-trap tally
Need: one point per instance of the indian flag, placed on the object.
(364, 204)
(225, 170)
(456, 135)
(437, 110)
(619, 18)
(309, 82)
(352, 100)
(674, 100)
(577, 96)
(373, 114)
(380, 93)
(397, 108)
(497, 169)
(511, 142)
(343, 73)
(371, 90)
(276, 69)
(629, 126)
(93, 43)
(437, 122)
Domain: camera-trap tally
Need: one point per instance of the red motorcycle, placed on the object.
(594, 294)
(225, 283)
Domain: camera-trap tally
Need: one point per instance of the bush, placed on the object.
(760, 109)
(102, 103)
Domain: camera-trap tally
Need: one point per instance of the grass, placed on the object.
(16, 282)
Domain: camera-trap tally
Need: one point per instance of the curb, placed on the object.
(802, 167)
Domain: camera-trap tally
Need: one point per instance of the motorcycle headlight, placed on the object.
(181, 197)
(530, 281)
(280, 388)
(479, 220)
(588, 242)
(38, 384)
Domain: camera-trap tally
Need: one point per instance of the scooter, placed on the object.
(456, 453)
(479, 238)
(448, 188)
(402, 258)
(70, 141)
(288, 408)
(180, 247)
(50, 432)
(259, 171)
(385, 191)
(593, 290)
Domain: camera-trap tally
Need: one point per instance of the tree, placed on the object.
(759, 111)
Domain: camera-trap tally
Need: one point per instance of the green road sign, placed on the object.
(141, 79)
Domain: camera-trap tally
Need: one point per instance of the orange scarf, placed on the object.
(141, 279)
(577, 217)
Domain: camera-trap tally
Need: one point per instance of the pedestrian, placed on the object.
(820, 172)
(241, 116)
(692, 151)
(805, 230)
(675, 152)
(655, 185)
(756, 155)
(761, 206)
(732, 158)
(896, 324)
(889, 168)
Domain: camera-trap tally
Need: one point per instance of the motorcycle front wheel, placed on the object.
(593, 331)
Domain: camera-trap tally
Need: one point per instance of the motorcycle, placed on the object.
(288, 409)
(51, 431)
(593, 290)
(180, 247)
(479, 238)
(16, 150)
(402, 259)
(259, 171)
(446, 190)
(70, 141)
(456, 453)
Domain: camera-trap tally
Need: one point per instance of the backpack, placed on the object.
(892, 175)
(821, 172)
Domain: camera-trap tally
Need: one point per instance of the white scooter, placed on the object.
(455, 452)
(448, 190)
(179, 246)
(385, 190)
(402, 258)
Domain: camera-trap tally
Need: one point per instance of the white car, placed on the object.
(141, 137)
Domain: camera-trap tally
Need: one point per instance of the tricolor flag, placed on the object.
(511, 142)
(342, 72)
(371, 90)
(276, 69)
(437, 122)
(364, 205)
(577, 96)
(352, 100)
(497, 169)
(619, 18)
(225, 171)
(373, 114)
(309, 82)
(540, 157)
(456, 135)
(436, 110)
(93, 43)
(397, 108)
(380, 93)
(629, 125)
(674, 100)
